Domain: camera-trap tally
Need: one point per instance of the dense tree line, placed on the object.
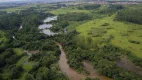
(65, 19)
(8, 60)
(5, 7)
(2, 12)
(110, 9)
(130, 15)
(10, 21)
(74, 17)
(89, 7)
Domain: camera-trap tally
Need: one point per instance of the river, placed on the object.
(126, 64)
(72, 74)
(64, 67)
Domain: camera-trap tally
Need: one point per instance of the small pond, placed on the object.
(45, 27)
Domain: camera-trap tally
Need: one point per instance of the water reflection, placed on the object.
(48, 32)
(45, 27)
(48, 19)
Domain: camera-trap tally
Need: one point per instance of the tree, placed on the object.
(28, 77)
(89, 40)
(16, 72)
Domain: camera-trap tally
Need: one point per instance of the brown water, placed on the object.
(93, 73)
(72, 74)
(128, 65)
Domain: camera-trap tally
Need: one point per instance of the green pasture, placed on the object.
(18, 51)
(28, 66)
(68, 10)
(121, 33)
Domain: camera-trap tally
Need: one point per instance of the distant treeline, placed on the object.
(111, 9)
(65, 19)
(14, 20)
(130, 15)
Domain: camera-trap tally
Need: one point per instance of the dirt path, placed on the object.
(72, 74)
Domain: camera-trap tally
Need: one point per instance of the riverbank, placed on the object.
(124, 63)
(72, 74)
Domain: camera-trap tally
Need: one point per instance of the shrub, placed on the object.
(135, 42)
(105, 24)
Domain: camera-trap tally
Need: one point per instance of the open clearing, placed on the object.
(18, 51)
(101, 29)
(67, 10)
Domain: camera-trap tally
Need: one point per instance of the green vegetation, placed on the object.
(21, 60)
(18, 51)
(30, 55)
(103, 58)
(3, 39)
(28, 66)
(38, 7)
(101, 34)
(68, 10)
(65, 20)
(122, 33)
(97, 41)
(90, 7)
(130, 15)
(110, 9)
(19, 8)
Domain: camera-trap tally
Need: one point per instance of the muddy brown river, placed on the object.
(72, 74)
(124, 63)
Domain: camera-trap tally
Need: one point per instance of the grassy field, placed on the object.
(18, 51)
(21, 61)
(100, 30)
(67, 10)
(28, 66)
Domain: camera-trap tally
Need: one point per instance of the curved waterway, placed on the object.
(72, 74)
